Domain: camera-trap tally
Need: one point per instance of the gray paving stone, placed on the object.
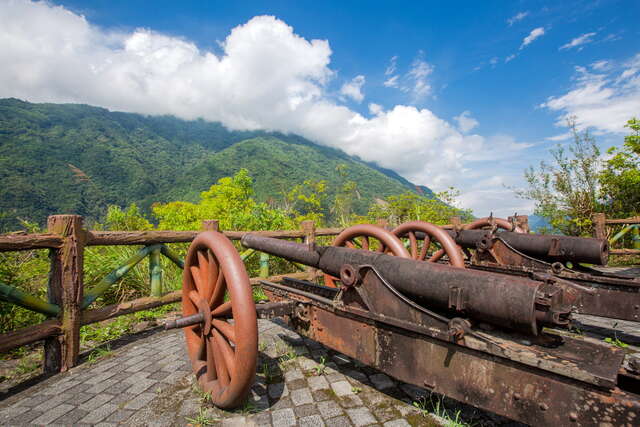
(96, 379)
(305, 410)
(311, 421)
(34, 400)
(400, 422)
(356, 375)
(262, 419)
(341, 388)
(320, 395)
(307, 364)
(119, 416)
(283, 417)
(293, 374)
(381, 381)
(51, 415)
(351, 401)
(296, 384)
(96, 402)
(140, 401)
(282, 403)
(361, 416)
(234, 422)
(99, 414)
(100, 387)
(50, 403)
(72, 417)
(301, 396)
(339, 422)
(329, 409)
(317, 383)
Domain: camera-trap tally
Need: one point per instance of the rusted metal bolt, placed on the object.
(573, 416)
(544, 406)
(516, 396)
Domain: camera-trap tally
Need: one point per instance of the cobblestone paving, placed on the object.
(148, 382)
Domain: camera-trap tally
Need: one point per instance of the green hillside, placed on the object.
(67, 158)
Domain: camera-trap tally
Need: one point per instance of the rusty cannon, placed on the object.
(502, 247)
(493, 340)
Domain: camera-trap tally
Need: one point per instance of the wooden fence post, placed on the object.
(210, 225)
(599, 229)
(456, 222)
(66, 289)
(309, 229)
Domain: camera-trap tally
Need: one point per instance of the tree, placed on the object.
(620, 177)
(410, 206)
(566, 191)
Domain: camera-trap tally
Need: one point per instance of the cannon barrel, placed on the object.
(547, 247)
(503, 300)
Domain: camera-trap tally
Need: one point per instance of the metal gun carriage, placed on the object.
(490, 331)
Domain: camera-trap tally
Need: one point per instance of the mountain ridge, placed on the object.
(77, 158)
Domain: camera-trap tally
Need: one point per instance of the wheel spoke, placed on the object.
(224, 310)
(365, 242)
(436, 256)
(227, 352)
(227, 330)
(221, 368)
(212, 277)
(218, 293)
(211, 362)
(195, 298)
(425, 248)
(349, 244)
(413, 245)
(195, 274)
(205, 267)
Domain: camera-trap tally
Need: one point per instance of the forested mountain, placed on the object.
(67, 158)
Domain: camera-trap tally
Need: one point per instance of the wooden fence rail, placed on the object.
(601, 222)
(66, 239)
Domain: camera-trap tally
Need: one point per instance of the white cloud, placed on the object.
(392, 66)
(603, 100)
(534, 34)
(517, 17)
(466, 122)
(375, 109)
(418, 73)
(353, 89)
(601, 65)
(266, 77)
(510, 58)
(392, 81)
(560, 137)
(578, 42)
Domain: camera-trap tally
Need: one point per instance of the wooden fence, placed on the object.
(602, 230)
(67, 300)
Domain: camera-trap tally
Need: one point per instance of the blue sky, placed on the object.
(395, 77)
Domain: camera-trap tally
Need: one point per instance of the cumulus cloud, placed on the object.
(604, 99)
(534, 34)
(353, 89)
(466, 122)
(601, 65)
(579, 41)
(265, 77)
(517, 17)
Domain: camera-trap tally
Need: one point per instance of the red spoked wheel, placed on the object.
(223, 347)
(490, 221)
(367, 237)
(429, 233)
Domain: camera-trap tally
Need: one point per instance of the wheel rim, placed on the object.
(359, 237)
(431, 233)
(224, 348)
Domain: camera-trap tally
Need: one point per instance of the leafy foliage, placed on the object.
(620, 177)
(80, 159)
(579, 183)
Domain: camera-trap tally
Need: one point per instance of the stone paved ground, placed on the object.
(148, 382)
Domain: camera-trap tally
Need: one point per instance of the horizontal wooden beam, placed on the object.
(100, 238)
(21, 242)
(29, 334)
(104, 313)
(631, 220)
(624, 251)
